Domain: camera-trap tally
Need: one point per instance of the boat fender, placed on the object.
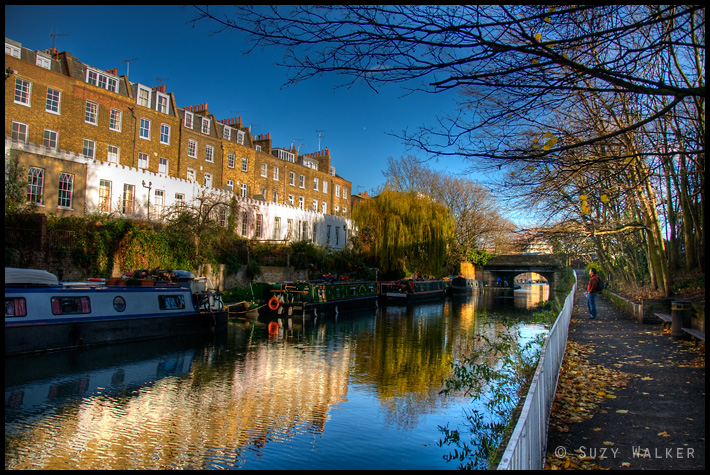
(273, 303)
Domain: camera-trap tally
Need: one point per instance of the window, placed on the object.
(22, 91)
(290, 200)
(89, 149)
(208, 180)
(144, 132)
(231, 160)
(287, 156)
(324, 208)
(171, 302)
(302, 181)
(345, 193)
(192, 148)
(53, 98)
(70, 305)
(245, 222)
(240, 137)
(142, 160)
(19, 132)
(245, 164)
(165, 134)
(337, 191)
(115, 120)
(163, 165)
(325, 187)
(230, 184)
(301, 203)
(276, 174)
(50, 139)
(314, 205)
(315, 184)
(277, 228)
(91, 113)
(188, 120)
(264, 170)
(129, 199)
(43, 61)
(161, 103)
(104, 196)
(227, 133)
(143, 96)
(64, 192)
(209, 154)
(102, 80)
(275, 197)
(190, 174)
(243, 190)
(291, 178)
(15, 306)
(35, 186)
(259, 220)
(206, 125)
(114, 154)
(159, 202)
(327, 234)
(12, 50)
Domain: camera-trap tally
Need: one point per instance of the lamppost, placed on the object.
(149, 186)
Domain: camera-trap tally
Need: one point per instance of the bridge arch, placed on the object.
(506, 267)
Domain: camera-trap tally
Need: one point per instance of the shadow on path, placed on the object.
(644, 391)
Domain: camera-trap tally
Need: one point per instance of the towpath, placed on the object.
(629, 397)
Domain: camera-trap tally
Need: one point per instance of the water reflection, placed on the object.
(360, 392)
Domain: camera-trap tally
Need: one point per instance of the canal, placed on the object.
(359, 392)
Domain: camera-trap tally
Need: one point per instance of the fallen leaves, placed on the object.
(581, 387)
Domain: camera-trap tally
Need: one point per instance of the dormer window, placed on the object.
(102, 80)
(162, 103)
(206, 126)
(287, 156)
(43, 61)
(143, 96)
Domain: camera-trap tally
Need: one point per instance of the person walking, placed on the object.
(593, 288)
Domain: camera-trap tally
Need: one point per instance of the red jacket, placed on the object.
(593, 285)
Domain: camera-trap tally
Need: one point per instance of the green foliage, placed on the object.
(405, 231)
(15, 184)
(478, 257)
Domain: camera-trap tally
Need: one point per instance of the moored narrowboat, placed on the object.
(42, 313)
(464, 286)
(314, 297)
(408, 291)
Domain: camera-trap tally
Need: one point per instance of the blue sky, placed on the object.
(199, 67)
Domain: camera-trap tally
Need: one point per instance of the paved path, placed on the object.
(658, 420)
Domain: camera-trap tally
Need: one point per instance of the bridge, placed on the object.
(508, 266)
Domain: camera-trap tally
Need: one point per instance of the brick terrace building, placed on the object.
(93, 142)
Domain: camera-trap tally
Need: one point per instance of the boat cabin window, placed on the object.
(171, 302)
(70, 305)
(15, 307)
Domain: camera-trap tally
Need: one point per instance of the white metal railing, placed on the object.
(528, 444)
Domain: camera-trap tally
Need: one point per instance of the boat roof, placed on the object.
(17, 276)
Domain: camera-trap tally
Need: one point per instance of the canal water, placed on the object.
(362, 391)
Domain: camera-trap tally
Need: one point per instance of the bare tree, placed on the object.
(518, 64)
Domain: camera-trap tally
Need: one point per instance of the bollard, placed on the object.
(680, 313)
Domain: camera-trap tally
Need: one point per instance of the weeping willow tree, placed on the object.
(407, 231)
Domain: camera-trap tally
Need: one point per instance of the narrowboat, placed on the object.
(42, 313)
(314, 297)
(464, 286)
(408, 291)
